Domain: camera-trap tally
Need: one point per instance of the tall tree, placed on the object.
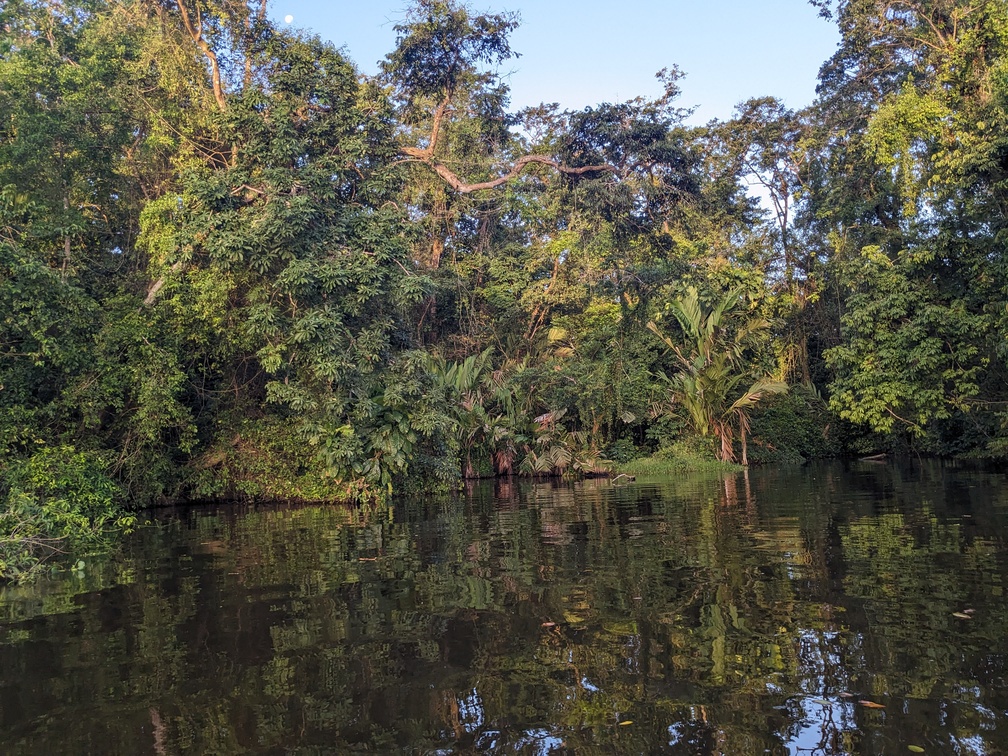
(909, 185)
(294, 251)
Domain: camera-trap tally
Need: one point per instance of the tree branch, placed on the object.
(439, 113)
(462, 187)
(152, 292)
(196, 32)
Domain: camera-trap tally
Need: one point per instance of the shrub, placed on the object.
(621, 451)
(56, 501)
(792, 427)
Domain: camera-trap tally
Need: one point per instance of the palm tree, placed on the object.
(469, 386)
(711, 372)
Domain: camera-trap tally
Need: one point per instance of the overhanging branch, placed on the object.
(426, 156)
(462, 187)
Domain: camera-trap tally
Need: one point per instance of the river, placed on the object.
(832, 608)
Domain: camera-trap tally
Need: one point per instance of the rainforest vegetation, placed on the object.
(232, 266)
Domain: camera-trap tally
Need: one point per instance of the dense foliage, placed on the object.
(233, 266)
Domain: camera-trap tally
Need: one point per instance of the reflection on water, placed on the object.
(827, 609)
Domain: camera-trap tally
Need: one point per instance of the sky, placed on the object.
(580, 53)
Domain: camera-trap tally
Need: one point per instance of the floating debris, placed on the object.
(871, 704)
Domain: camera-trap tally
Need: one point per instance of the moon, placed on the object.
(288, 18)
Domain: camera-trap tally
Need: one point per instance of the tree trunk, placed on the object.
(66, 239)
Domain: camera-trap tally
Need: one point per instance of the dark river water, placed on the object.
(827, 609)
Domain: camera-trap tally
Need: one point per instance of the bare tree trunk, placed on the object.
(260, 15)
(195, 30)
(66, 239)
(437, 249)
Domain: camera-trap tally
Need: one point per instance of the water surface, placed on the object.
(825, 609)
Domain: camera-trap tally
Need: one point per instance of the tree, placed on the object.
(910, 191)
(294, 251)
(437, 59)
(71, 148)
(908, 358)
(711, 369)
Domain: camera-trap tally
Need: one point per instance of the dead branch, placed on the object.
(426, 156)
(157, 285)
(462, 187)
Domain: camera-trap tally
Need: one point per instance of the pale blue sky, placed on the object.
(583, 52)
